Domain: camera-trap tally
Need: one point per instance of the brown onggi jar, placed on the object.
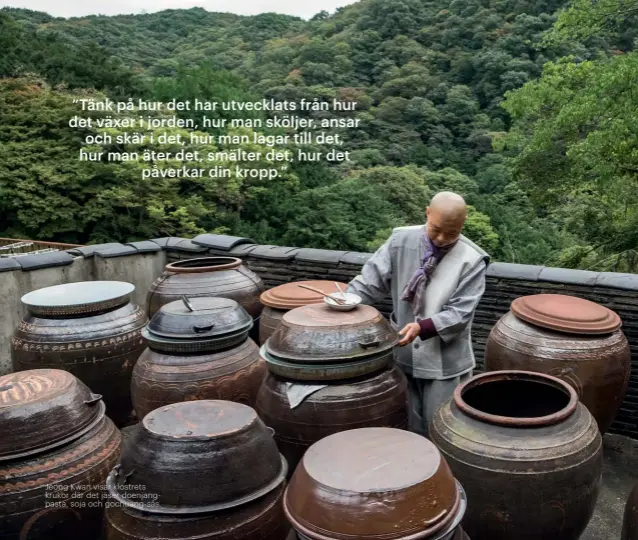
(89, 328)
(223, 277)
(56, 449)
(198, 348)
(344, 360)
(527, 452)
(373, 483)
(570, 338)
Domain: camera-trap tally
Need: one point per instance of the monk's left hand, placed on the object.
(410, 332)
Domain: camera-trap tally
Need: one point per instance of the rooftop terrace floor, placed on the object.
(620, 473)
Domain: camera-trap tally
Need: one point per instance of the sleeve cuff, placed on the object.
(427, 329)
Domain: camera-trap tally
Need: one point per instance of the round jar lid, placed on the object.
(291, 295)
(41, 409)
(83, 297)
(564, 313)
(199, 420)
(223, 448)
(199, 318)
(335, 491)
(318, 334)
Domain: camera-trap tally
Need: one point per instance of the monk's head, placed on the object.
(445, 218)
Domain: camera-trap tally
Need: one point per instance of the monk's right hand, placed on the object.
(409, 332)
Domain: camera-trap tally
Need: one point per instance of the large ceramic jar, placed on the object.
(571, 338)
(375, 483)
(206, 469)
(379, 399)
(278, 300)
(330, 371)
(630, 517)
(223, 277)
(90, 329)
(198, 348)
(56, 450)
(527, 452)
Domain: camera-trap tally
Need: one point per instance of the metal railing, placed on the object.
(16, 247)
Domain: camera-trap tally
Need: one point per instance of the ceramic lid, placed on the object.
(199, 318)
(564, 313)
(290, 295)
(318, 334)
(42, 409)
(198, 456)
(83, 297)
(336, 490)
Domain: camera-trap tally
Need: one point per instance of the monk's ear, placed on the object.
(427, 212)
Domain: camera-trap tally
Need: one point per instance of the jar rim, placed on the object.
(516, 375)
(203, 264)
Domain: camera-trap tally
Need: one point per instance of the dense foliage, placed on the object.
(524, 107)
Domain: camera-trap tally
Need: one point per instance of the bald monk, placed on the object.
(436, 277)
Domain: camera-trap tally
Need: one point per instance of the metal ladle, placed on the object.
(339, 301)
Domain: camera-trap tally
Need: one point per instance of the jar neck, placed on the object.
(516, 399)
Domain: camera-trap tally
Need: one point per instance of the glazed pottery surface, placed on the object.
(198, 456)
(161, 379)
(223, 277)
(524, 447)
(89, 329)
(41, 409)
(262, 519)
(318, 334)
(54, 492)
(336, 491)
(596, 361)
(378, 400)
(330, 372)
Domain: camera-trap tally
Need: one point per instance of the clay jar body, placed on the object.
(259, 520)
(222, 277)
(630, 518)
(527, 452)
(376, 400)
(181, 364)
(348, 353)
(63, 450)
(90, 329)
(594, 359)
(161, 379)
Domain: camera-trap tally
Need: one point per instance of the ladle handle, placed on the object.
(187, 303)
(337, 300)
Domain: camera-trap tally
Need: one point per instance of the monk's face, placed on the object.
(444, 228)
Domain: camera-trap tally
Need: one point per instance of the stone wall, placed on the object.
(108, 262)
(141, 262)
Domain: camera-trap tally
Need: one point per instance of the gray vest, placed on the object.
(432, 358)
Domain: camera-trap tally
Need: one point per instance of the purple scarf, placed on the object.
(414, 291)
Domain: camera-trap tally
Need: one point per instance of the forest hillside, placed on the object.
(527, 108)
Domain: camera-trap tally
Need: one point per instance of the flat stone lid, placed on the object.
(78, 298)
